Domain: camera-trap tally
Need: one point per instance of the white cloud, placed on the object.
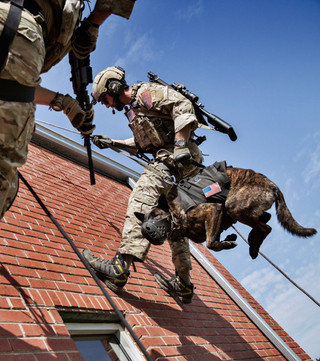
(140, 50)
(297, 314)
(188, 12)
(312, 169)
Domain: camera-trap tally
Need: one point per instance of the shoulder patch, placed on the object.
(146, 97)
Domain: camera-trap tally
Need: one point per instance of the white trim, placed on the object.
(244, 305)
(90, 329)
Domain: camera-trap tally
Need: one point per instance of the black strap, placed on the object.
(12, 91)
(10, 29)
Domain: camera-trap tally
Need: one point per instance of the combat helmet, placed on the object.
(110, 80)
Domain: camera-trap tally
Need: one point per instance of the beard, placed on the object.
(118, 105)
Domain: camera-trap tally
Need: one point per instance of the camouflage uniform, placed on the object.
(43, 38)
(24, 65)
(159, 105)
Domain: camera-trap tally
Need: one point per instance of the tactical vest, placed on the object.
(151, 131)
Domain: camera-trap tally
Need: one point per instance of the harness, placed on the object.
(210, 185)
(9, 30)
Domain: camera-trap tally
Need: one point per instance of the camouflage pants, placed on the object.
(145, 196)
(24, 63)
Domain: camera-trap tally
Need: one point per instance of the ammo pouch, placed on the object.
(150, 132)
(210, 185)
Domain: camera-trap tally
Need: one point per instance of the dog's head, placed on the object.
(156, 225)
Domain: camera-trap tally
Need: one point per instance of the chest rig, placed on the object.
(151, 129)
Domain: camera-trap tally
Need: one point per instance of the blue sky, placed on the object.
(254, 63)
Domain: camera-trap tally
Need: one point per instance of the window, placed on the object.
(101, 341)
(101, 348)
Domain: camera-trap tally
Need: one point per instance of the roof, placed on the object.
(42, 278)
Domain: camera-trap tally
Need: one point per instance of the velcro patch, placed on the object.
(146, 97)
(212, 189)
(130, 115)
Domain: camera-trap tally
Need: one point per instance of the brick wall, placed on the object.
(41, 275)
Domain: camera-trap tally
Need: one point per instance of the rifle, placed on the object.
(219, 124)
(81, 76)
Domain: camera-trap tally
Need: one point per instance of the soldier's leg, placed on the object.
(134, 246)
(23, 65)
(180, 286)
(17, 125)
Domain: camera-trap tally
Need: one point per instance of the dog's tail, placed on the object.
(286, 219)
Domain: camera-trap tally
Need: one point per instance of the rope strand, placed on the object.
(282, 272)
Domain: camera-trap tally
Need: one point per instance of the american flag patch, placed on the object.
(130, 115)
(212, 189)
(146, 97)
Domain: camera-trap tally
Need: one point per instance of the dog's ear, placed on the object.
(140, 216)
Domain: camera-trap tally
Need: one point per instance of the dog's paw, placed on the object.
(228, 243)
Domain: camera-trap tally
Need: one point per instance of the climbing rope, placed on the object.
(57, 126)
(282, 272)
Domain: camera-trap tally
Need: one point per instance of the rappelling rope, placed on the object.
(283, 273)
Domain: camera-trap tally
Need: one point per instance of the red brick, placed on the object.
(37, 330)
(61, 344)
(27, 344)
(75, 356)
(5, 345)
(39, 283)
(14, 316)
(17, 303)
(52, 357)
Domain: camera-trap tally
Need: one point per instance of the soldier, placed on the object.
(162, 121)
(34, 36)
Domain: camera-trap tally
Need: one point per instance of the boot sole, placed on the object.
(108, 283)
(162, 283)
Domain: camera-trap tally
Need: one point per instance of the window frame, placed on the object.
(126, 344)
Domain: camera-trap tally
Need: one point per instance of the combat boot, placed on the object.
(114, 273)
(175, 287)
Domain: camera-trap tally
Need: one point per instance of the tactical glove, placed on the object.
(102, 141)
(118, 7)
(85, 39)
(71, 108)
(88, 127)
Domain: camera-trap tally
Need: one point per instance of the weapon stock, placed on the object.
(81, 76)
(219, 124)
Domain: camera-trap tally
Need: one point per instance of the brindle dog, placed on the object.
(251, 195)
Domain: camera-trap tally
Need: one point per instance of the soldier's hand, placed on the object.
(118, 7)
(87, 126)
(102, 141)
(70, 107)
(85, 39)
(80, 119)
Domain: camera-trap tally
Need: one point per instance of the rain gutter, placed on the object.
(69, 149)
